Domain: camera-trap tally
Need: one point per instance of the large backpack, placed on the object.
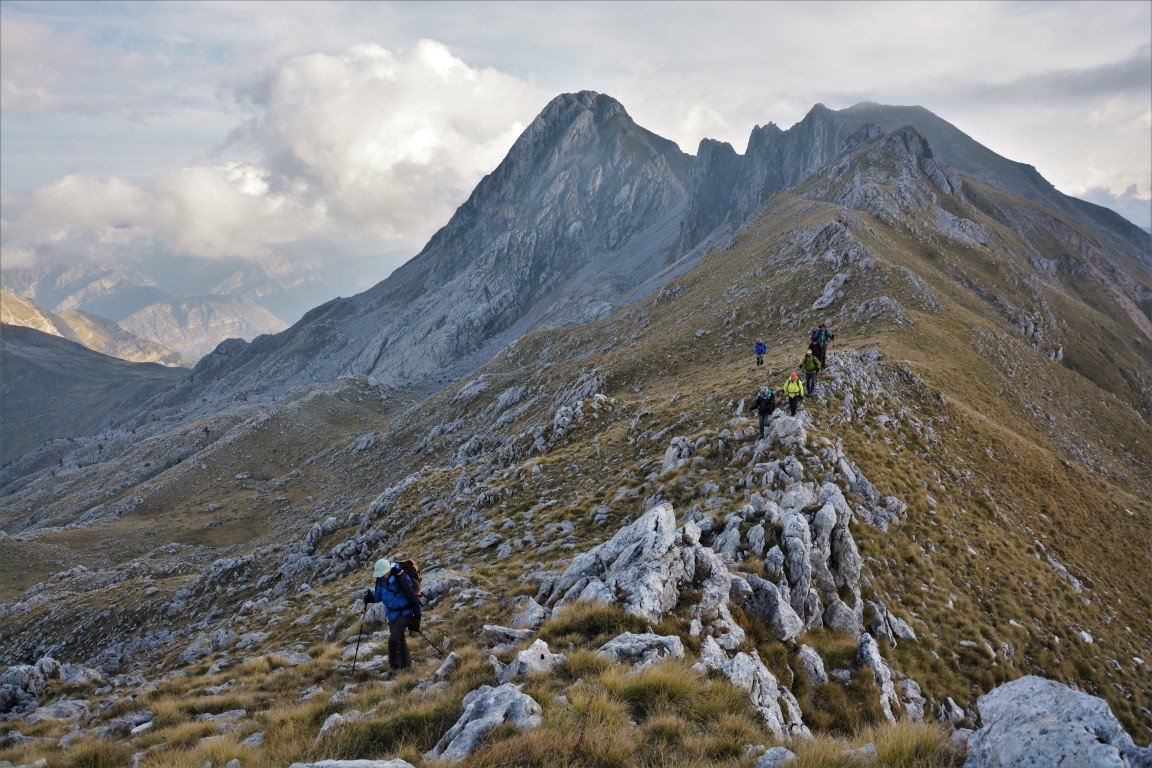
(815, 335)
(412, 571)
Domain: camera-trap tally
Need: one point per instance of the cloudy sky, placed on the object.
(245, 129)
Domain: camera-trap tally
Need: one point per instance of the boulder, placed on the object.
(642, 650)
(530, 614)
(495, 635)
(485, 709)
(1034, 721)
(813, 665)
(536, 659)
(334, 720)
(776, 757)
(913, 701)
(789, 431)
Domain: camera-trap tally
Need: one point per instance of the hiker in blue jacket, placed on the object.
(761, 350)
(397, 587)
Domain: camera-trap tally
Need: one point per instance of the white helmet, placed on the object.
(382, 568)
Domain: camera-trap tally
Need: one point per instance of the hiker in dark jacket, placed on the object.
(822, 337)
(402, 609)
(761, 349)
(765, 404)
(810, 365)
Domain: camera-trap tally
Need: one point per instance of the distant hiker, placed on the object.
(761, 349)
(398, 588)
(765, 405)
(794, 390)
(822, 337)
(810, 365)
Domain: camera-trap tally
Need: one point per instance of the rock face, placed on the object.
(1038, 722)
(485, 709)
(578, 212)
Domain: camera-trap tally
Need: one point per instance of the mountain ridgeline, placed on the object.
(588, 212)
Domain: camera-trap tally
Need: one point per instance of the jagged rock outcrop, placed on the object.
(1036, 721)
(644, 568)
(774, 702)
(485, 709)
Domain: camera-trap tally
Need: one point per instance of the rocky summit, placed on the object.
(939, 559)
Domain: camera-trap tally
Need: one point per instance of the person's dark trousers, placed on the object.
(759, 360)
(810, 382)
(820, 354)
(763, 423)
(793, 402)
(398, 643)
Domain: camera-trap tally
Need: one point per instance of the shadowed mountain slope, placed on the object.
(54, 388)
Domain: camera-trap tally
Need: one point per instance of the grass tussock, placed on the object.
(590, 625)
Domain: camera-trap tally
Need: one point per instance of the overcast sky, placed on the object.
(233, 128)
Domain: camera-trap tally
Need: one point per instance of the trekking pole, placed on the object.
(356, 653)
(431, 644)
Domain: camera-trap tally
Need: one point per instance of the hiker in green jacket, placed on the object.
(810, 365)
(794, 391)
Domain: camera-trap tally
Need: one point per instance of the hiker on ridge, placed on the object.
(794, 389)
(765, 405)
(398, 588)
(822, 337)
(810, 365)
(761, 348)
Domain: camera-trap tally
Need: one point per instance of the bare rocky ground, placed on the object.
(619, 572)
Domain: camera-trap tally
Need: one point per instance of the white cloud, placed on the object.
(379, 142)
(393, 142)
(203, 211)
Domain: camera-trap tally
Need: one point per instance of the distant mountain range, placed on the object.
(94, 332)
(191, 305)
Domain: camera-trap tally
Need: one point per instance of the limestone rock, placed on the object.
(642, 650)
(868, 656)
(536, 659)
(766, 603)
(644, 567)
(775, 703)
(813, 665)
(913, 701)
(776, 757)
(485, 709)
(1034, 721)
(530, 615)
